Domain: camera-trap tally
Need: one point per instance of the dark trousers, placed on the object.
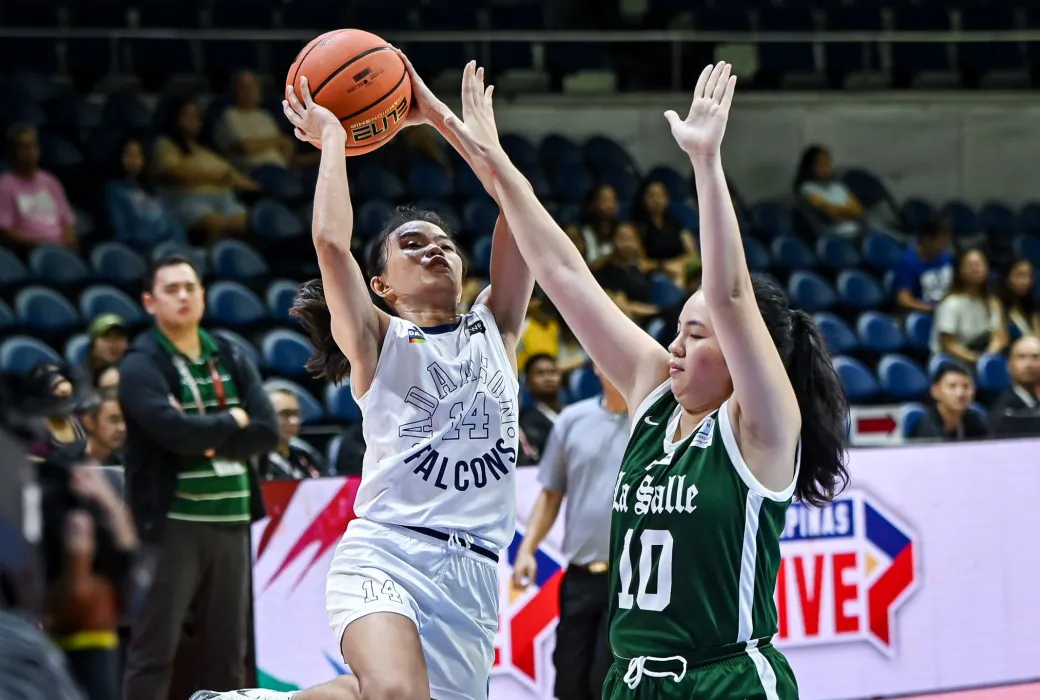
(582, 656)
(96, 671)
(203, 571)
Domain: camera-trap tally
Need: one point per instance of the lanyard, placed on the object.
(193, 387)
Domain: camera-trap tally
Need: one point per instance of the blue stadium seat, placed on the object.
(379, 183)
(810, 292)
(13, 272)
(901, 378)
(836, 253)
(286, 352)
(962, 218)
(103, 299)
(232, 259)
(127, 111)
(482, 255)
(771, 220)
(664, 292)
(570, 183)
(867, 186)
(77, 348)
(44, 310)
(371, 217)
(426, 181)
(1030, 218)
(340, 403)
(625, 184)
(991, 373)
(999, 221)
(557, 151)
(881, 251)
(467, 184)
(58, 153)
(117, 263)
(278, 182)
(273, 221)
(836, 333)
(74, 113)
(918, 330)
(583, 384)
(58, 266)
(8, 320)
(757, 255)
(310, 408)
(912, 414)
(20, 353)
(878, 332)
(917, 214)
(480, 215)
(1028, 248)
(521, 151)
(860, 384)
(243, 345)
(790, 253)
(858, 290)
(685, 215)
(232, 304)
(279, 297)
(677, 185)
(604, 154)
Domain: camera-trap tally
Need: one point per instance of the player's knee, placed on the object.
(395, 688)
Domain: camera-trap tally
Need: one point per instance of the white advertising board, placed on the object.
(921, 577)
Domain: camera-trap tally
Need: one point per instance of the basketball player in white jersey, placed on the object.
(413, 590)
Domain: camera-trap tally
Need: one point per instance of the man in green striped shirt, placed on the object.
(197, 418)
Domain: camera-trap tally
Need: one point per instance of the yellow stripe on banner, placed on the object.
(97, 639)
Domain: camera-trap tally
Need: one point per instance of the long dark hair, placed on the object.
(807, 166)
(1012, 301)
(639, 214)
(171, 116)
(310, 308)
(821, 396)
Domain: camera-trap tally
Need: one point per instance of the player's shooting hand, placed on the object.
(311, 120)
(700, 134)
(425, 107)
(524, 570)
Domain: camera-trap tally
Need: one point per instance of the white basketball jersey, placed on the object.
(440, 427)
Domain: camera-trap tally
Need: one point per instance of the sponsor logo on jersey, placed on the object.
(705, 433)
(845, 571)
(526, 619)
(475, 327)
(416, 336)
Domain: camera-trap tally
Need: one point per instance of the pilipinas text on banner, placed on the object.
(919, 577)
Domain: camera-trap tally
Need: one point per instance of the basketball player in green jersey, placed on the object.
(741, 413)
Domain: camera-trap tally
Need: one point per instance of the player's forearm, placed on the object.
(546, 509)
(333, 221)
(725, 272)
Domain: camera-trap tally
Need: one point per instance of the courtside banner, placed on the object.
(921, 577)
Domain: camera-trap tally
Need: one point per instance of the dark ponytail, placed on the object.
(311, 310)
(821, 397)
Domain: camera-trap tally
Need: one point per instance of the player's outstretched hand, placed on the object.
(309, 117)
(425, 106)
(700, 134)
(476, 131)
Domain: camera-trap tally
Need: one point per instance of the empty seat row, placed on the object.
(898, 378)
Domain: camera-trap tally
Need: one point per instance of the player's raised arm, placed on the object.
(511, 279)
(633, 361)
(358, 327)
(766, 409)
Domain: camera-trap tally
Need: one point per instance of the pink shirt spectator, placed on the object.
(36, 208)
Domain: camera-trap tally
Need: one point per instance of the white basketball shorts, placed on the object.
(449, 591)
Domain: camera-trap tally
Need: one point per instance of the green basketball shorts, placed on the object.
(756, 674)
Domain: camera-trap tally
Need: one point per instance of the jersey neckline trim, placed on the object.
(442, 328)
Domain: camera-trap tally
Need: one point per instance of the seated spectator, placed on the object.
(598, 221)
(106, 431)
(62, 431)
(542, 380)
(668, 246)
(33, 207)
(139, 218)
(924, 271)
(969, 321)
(541, 331)
(248, 134)
(951, 417)
(108, 380)
(1018, 295)
(1016, 413)
(622, 271)
(827, 196)
(109, 340)
(198, 184)
(293, 458)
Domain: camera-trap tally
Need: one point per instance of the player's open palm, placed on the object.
(476, 131)
(701, 132)
(309, 117)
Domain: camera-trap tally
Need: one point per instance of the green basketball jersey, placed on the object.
(694, 541)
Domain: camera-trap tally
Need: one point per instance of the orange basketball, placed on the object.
(358, 77)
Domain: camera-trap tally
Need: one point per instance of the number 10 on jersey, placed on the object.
(649, 541)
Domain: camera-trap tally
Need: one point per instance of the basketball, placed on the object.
(358, 77)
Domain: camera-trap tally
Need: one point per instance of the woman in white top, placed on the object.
(827, 195)
(969, 321)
